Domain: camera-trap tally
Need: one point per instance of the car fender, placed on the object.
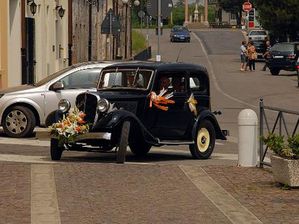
(115, 118)
(208, 115)
(24, 102)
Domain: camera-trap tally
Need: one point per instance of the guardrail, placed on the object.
(280, 124)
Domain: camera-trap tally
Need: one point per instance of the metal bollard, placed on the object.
(247, 121)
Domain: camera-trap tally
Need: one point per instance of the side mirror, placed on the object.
(57, 86)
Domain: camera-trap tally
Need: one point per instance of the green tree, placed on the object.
(281, 17)
(233, 6)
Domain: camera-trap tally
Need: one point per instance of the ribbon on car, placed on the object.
(192, 104)
(161, 100)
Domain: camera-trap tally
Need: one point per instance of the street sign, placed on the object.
(110, 24)
(152, 8)
(247, 6)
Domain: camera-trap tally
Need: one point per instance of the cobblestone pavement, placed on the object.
(87, 188)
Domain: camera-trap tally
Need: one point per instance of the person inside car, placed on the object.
(164, 83)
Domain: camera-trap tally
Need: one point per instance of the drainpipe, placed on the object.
(70, 31)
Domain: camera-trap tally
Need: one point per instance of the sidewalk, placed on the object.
(163, 188)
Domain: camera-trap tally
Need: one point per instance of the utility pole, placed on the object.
(158, 56)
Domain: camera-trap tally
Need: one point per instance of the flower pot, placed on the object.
(285, 171)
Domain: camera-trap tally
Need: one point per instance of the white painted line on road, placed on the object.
(44, 205)
(24, 159)
(213, 76)
(224, 201)
(22, 141)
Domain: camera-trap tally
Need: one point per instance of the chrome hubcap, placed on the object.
(16, 121)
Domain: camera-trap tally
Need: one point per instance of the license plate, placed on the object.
(182, 38)
(278, 56)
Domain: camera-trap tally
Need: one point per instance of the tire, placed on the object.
(18, 122)
(55, 149)
(274, 71)
(204, 141)
(123, 142)
(139, 148)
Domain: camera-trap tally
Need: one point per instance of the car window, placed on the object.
(86, 78)
(285, 47)
(179, 28)
(171, 81)
(126, 78)
(53, 76)
(258, 32)
(198, 84)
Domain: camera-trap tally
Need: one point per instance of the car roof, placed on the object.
(91, 63)
(159, 66)
(294, 42)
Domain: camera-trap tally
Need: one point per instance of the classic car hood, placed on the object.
(17, 89)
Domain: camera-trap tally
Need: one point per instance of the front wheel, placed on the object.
(123, 143)
(204, 141)
(18, 122)
(55, 149)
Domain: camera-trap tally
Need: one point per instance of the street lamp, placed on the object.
(60, 10)
(32, 5)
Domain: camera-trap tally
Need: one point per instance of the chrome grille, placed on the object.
(87, 103)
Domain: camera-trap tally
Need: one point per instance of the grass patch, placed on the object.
(138, 42)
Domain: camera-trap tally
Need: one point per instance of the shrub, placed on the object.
(277, 144)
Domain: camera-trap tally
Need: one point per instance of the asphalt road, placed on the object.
(231, 89)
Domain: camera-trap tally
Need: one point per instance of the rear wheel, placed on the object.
(18, 122)
(204, 141)
(55, 149)
(274, 71)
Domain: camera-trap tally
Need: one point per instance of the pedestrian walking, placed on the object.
(252, 56)
(243, 54)
(266, 54)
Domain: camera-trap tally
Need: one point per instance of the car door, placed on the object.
(74, 83)
(171, 123)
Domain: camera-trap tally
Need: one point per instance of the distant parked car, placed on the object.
(180, 34)
(260, 47)
(257, 35)
(283, 56)
(26, 106)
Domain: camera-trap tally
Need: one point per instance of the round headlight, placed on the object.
(103, 105)
(64, 105)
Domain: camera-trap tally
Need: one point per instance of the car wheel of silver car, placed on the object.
(55, 149)
(18, 122)
(204, 141)
(123, 142)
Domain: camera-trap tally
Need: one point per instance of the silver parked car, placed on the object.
(24, 107)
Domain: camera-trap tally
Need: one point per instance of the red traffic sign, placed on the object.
(247, 6)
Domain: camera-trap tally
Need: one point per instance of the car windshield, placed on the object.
(283, 47)
(179, 28)
(125, 78)
(53, 76)
(258, 32)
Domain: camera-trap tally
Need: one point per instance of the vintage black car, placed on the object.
(147, 104)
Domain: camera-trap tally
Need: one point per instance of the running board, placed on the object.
(175, 142)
